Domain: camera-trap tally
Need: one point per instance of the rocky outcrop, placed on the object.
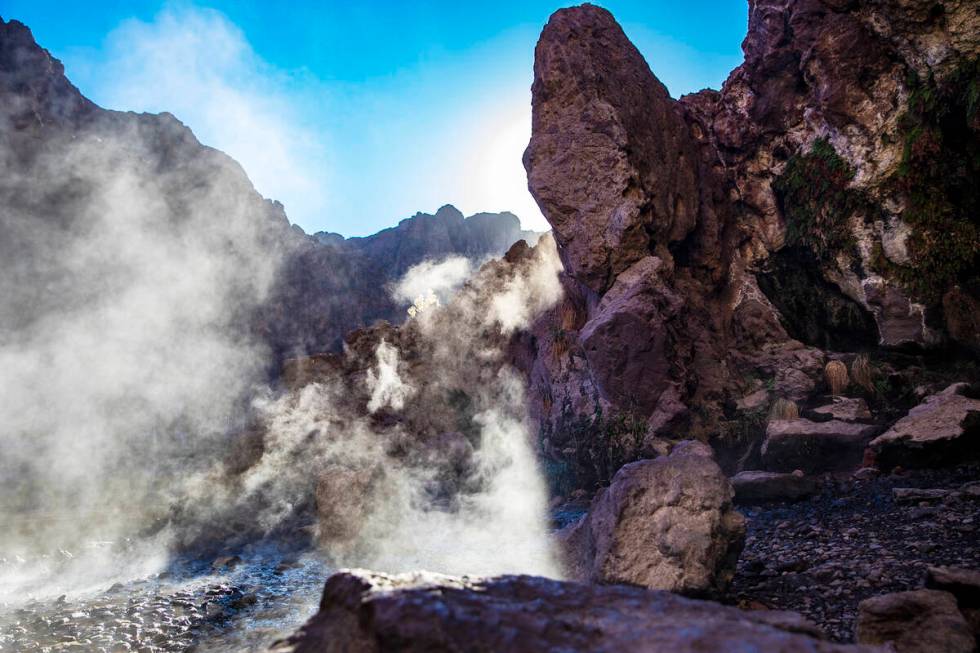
(642, 217)
(714, 245)
(663, 524)
(920, 621)
(943, 429)
(365, 611)
(815, 447)
(600, 115)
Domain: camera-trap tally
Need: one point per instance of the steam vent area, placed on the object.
(654, 369)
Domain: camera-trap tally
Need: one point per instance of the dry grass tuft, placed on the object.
(836, 375)
(862, 373)
(783, 409)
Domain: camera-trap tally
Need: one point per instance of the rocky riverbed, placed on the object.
(235, 603)
(855, 539)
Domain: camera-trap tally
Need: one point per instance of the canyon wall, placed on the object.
(720, 248)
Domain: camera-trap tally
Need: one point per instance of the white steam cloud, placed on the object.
(198, 65)
(441, 278)
(432, 467)
(125, 351)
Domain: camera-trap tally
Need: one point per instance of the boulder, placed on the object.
(665, 524)
(943, 429)
(847, 409)
(814, 447)
(369, 612)
(921, 621)
(757, 486)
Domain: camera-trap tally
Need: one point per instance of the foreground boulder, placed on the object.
(814, 447)
(922, 621)
(368, 612)
(964, 584)
(945, 428)
(663, 524)
(757, 486)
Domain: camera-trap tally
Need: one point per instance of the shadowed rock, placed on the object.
(815, 447)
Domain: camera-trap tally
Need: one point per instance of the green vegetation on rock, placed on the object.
(591, 448)
(816, 202)
(940, 177)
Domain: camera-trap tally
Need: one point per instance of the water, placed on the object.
(243, 604)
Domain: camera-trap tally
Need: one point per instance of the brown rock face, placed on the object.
(663, 524)
(611, 164)
(369, 612)
(922, 621)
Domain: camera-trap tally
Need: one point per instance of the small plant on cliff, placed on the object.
(816, 202)
(835, 373)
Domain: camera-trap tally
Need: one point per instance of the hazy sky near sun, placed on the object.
(358, 114)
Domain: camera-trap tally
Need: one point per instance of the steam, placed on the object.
(132, 261)
(417, 448)
(387, 388)
(195, 63)
(125, 351)
(441, 278)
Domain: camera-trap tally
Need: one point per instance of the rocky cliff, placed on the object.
(720, 248)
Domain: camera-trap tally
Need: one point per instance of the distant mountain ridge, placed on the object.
(334, 285)
(60, 154)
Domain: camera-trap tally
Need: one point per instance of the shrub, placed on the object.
(835, 374)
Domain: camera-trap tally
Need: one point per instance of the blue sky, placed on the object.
(358, 114)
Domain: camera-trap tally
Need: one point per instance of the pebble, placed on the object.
(856, 539)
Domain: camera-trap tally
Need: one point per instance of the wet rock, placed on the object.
(225, 563)
(664, 524)
(920, 621)
(753, 486)
(366, 611)
(915, 495)
(814, 447)
(943, 429)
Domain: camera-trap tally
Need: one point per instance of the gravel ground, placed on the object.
(857, 539)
